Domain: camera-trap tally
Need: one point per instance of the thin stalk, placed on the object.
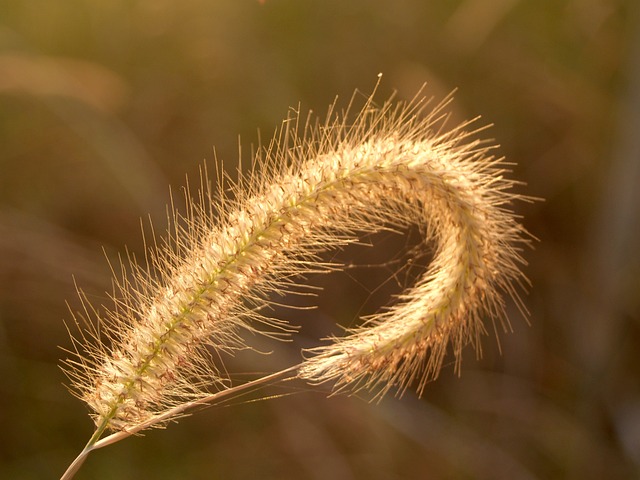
(95, 442)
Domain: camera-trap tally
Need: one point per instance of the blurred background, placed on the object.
(104, 104)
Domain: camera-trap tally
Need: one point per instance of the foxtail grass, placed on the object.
(318, 185)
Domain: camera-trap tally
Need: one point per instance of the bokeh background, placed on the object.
(104, 104)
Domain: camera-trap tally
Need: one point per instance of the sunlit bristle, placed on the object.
(316, 186)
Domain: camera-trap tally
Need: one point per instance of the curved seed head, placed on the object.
(317, 187)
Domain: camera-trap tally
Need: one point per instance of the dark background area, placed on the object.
(104, 104)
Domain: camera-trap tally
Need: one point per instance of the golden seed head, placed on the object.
(318, 188)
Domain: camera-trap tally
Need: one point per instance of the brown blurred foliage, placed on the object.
(104, 104)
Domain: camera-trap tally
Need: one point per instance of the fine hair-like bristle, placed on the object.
(314, 187)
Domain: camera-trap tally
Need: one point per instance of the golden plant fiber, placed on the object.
(315, 187)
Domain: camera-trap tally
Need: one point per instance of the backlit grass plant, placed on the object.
(317, 186)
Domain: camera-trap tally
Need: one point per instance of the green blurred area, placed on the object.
(104, 104)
